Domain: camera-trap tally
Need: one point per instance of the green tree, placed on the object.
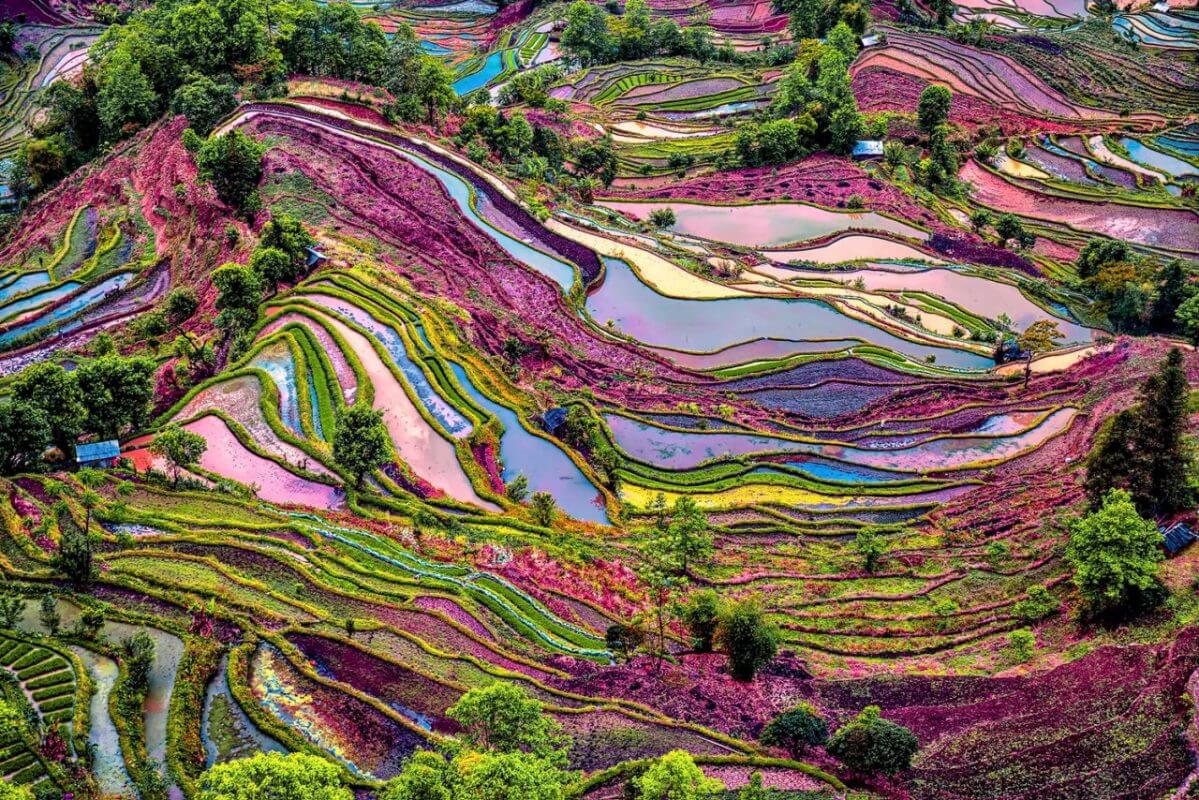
(1009, 227)
(12, 723)
(701, 614)
(126, 99)
(1037, 604)
(754, 790)
(1173, 289)
(805, 18)
(42, 163)
(675, 776)
(232, 163)
(833, 86)
(181, 304)
(11, 791)
(90, 623)
(272, 265)
(1112, 462)
(943, 12)
(1162, 416)
(504, 718)
(239, 290)
(1144, 449)
(509, 776)
(844, 129)
(871, 546)
(296, 776)
(8, 36)
(48, 614)
(289, 235)
(51, 389)
(24, 436)
(361, 443)
(596, 157)
(1039, 337)
(933, 107)
(1115, 556)
(74, 557)
(686, 541)
(137, 659)
(334, 40)
(632, 31)
(514, 138)
(1021, 644)
(843, 39)
(180, 447)
(870, 744)
(11, 608)
(662, 217)
(747, 638)
(1099, 253)
(623, 640)
(796, 729)
(204, 102)
(1186, 319)
(544, 509)
(432, 87)
(72, 117)
(943, 161)
(424, 776)
(518, 489)
(90, 500)
(116, 393)
(585, 38)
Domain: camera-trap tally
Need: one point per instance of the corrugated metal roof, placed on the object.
(868, 147)
(1176, 537)
(314, 256)
(98, 451)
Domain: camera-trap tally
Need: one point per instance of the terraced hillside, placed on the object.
(638, 400)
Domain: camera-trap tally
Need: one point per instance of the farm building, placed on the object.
(868, 148)
(1176, 538)
(98, 454)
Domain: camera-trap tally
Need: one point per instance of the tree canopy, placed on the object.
(593, 36)
(295, 776)
(700, 612)
(194, 56)
(796, 729)
(361, 443)
(870, 743)
(1115, 555)
(675, 776)
(684, 541)
(1144, 450)
(477, 776)
(504, 718)
(933, 107)
(747, 638)
(239, 290)
(232, 162)
(24, 436)
(180, 447)
(116, 392)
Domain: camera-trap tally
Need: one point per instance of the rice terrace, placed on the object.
(599, 399)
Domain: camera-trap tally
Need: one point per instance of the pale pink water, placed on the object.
(763, 224)
(228, 457)
(430, 456)
(341, 367)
